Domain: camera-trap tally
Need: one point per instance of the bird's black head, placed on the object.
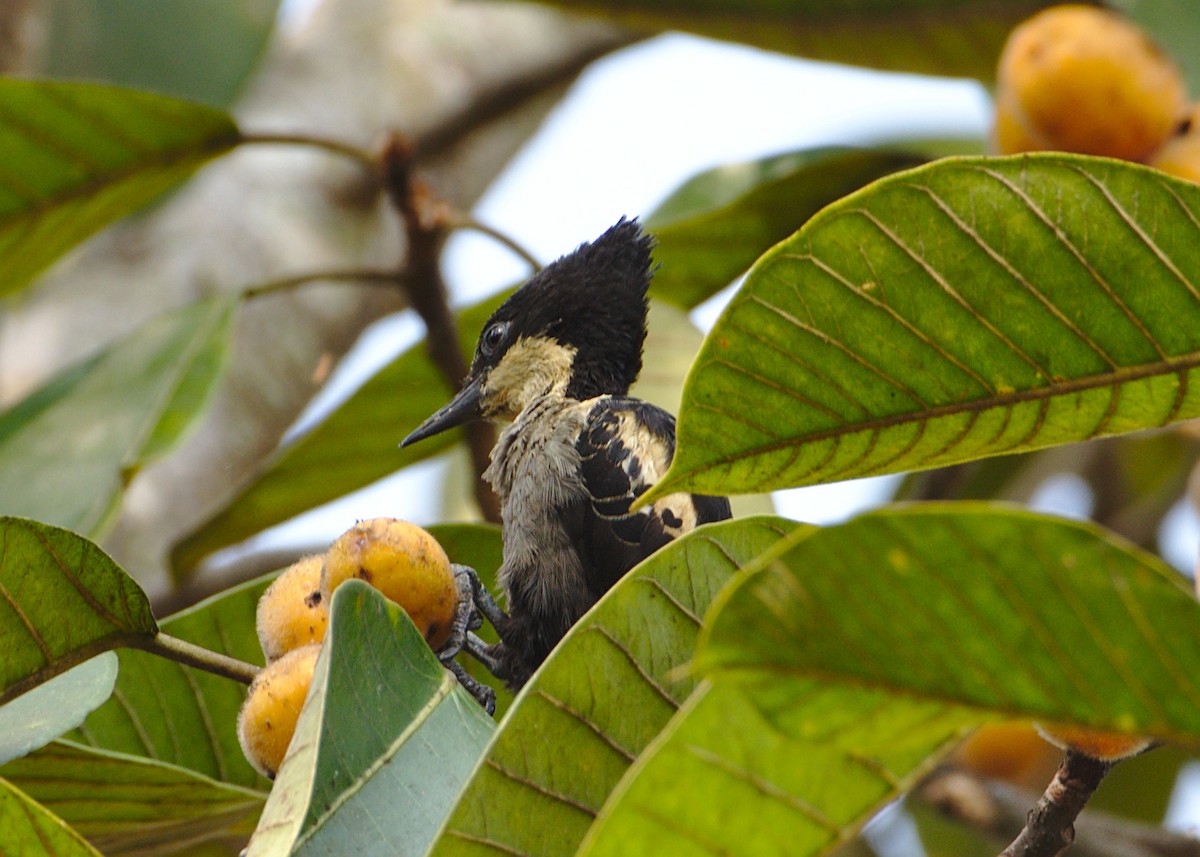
(577, 326)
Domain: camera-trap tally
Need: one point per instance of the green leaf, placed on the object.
(840, 707)
(384, 743)
(1004, 610)
(62, 601)
(68, 450)
(128, 805)
(969, 308)
(165, 711)
(356, 445)
(75, 157)
(197, 49)
(716, 224)
(38, 716)
(604, 693)
(956, 38)
(775, 767)
(30, 830)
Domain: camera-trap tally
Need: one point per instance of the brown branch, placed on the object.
(998, 809)
(1050, 827)
(425, 226)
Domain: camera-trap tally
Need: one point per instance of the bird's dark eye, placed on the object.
(492, 337)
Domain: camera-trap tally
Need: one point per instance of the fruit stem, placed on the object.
(189, 654)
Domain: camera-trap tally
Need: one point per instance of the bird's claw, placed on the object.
(475, 604)
(482, 693)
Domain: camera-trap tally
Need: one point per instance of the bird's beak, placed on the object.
(463, 408)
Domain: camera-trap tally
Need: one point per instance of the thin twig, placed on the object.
(338, 147)
(1050, 826)
(183, 652)
(364, 275)
(459, 220)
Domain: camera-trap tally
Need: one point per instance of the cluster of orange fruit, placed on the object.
(1082, 79)
(404, 562)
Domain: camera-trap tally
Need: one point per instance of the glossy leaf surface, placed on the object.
(969, 308)
(386, 739)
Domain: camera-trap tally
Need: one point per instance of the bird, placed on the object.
(555, 362)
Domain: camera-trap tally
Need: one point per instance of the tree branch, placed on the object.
(425, 226)
(998, 809)
(1050, 827)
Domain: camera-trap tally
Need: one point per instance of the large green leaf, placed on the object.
(197, 49)
(74, 157)
(1004, 610)
(716, 224)
(789, 767)
(386, 739)
(850, 657)
(960, 38)
(62, 601)
(165, 711)
(355, 445)
(129, 805)
(68, 450)
(604, 693)
(969, 308)
(29, 830)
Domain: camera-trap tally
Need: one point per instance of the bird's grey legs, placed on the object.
(475, 604)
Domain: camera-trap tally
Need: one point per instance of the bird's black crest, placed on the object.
(593, 299)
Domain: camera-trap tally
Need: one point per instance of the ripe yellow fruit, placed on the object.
(1180, 156)
(268, 717)
(292, 613)
(1082, 79)
(1105, 746)
(403, 562)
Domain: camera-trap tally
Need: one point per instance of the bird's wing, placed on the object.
(625, 446)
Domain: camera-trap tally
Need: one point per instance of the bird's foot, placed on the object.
(482, 693)
(475, 604)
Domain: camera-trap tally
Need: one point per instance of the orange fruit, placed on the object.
(403, 562)
(268, 717)
(291, 613)
(1180, 155)
(1082, 79)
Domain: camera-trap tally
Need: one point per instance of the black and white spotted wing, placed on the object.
(625, 446)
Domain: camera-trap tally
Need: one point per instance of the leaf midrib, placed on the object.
(1179, 365)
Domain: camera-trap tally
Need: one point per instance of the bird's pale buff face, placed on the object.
(532, 367)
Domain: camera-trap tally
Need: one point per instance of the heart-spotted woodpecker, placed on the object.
(556, 361)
